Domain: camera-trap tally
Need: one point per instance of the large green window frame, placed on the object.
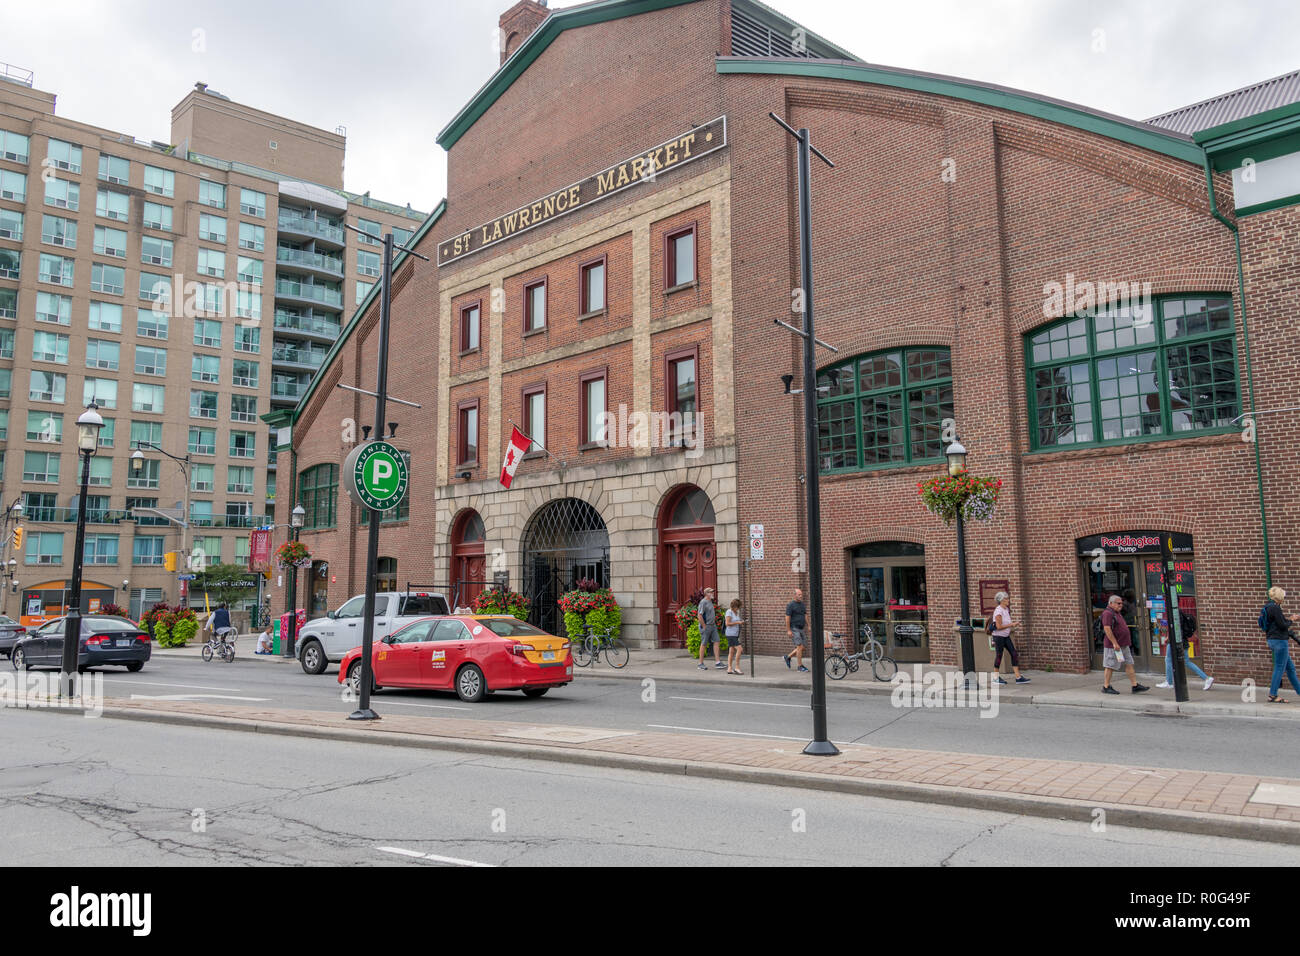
(884, 409)
(1130, 373)
(318, 491)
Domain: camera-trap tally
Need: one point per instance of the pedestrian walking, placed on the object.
(796, 623)
(1118, 648)
(707, 614)
(1003, 625)
(734, 646)
(1189, 631)
(1278, 632)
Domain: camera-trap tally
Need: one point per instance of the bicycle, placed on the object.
(218, 646)
(840, 664)
(588, 650)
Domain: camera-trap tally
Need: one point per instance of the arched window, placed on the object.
(318, 489)
(1127, 373)
(883, 409)
(693, 508)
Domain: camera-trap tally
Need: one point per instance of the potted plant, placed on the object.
(973, 497)
(292, 554)
(590, 607)
(502, 601)
(689, 621)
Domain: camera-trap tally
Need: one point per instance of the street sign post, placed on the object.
(756, 542)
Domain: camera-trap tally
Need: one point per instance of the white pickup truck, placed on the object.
(325, 640)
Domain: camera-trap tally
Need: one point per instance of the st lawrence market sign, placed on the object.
(644, 167)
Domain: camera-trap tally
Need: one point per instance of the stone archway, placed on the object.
(564, 542)
(688, 556)
(468, 560)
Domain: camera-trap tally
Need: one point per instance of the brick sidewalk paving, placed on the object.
(1229, 804)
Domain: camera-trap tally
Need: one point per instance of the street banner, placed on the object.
(518, 447)
(259, 550)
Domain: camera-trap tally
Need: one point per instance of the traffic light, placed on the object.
(169, 561)
(18, 538)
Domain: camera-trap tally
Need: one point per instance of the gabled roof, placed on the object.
(1227, 107)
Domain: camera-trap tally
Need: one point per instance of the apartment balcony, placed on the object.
(305, 293)
(299, 359)
(229, 521)
(287, 391)
(69, 516)
(317, 229)
(315, 327)
(314, 263)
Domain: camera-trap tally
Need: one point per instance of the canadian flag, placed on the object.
(518, 447)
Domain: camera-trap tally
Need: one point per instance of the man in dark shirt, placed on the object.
(1117, 648)
(796, 622)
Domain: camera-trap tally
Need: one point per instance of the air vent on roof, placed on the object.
(749, 37)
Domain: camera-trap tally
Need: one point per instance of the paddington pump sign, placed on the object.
(644, 167)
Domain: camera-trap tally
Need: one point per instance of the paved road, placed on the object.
(1230, 744)
(108, 793)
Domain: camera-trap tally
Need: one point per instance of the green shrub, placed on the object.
(573, 626)
(183, 631)
(162, 633)
(605, 618)
(693, 640)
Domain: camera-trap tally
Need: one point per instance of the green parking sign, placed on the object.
(376, 475)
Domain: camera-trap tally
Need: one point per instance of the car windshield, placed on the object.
(7, 620)
(508, 627)
(107, 624)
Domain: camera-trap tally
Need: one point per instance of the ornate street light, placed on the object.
(956, 454)
(88, 425)
(297, 518)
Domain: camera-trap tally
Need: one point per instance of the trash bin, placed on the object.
(275, 637)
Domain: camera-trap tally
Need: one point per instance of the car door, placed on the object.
(398, 662)
(49, 644)
(444, 652)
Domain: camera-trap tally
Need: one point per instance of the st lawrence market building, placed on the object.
(1103, 309)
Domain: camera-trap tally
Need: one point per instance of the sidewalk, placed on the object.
(244, 645)
(1241, 806)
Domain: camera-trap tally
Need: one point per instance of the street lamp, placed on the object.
(88, 426)
(297, 519)
(182, 462)
(956, 454)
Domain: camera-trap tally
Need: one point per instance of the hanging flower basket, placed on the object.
(292, 554)
(975, 498)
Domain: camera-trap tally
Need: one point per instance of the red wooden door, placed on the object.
(689, 563)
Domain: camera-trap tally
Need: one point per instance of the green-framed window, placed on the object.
(1134, 372)
(883, 409)
(318, 491)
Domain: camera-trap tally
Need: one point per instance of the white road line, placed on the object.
(146, 683)
(754, 703)
(260, 700)
(400, 703)
(417, 855)
(714, 730)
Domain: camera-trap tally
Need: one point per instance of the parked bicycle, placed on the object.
(588, 650)
(221, 644)
(839, 664)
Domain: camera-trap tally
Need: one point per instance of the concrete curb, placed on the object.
(1204, 824)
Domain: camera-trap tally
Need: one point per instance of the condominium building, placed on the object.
(185, 287)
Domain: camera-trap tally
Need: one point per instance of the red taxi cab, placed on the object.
(472, 654)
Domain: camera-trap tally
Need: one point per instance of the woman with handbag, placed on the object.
(1277, 632)
(1002, 626)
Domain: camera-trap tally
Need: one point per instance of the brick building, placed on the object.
(1059, 285)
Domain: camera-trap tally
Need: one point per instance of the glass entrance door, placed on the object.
(891, 597)
(1118, 576)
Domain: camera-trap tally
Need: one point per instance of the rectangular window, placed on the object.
(679, 257)
(47, 387)
(41, 467)
(147, 549)
(62, 194)
(363, 290)
(212, 194)
(56, 269)
(469, 327)
(534, 400)
(11, 225)
(239, 479)
(248, 304)
(203, 441)
(203, 404)
(252, 237)
(368, 263)
(201, 512)
(248, 339)
(16, 147)
(243, 444)
(50, 347)
(64, 156)
(6, 343)
(374, 230)
(110, 280)
(244, 374)
(150, 324)
(147, 398)
(6, 384)
(156, 252)
(106, 434)
(110, 242)
(213, 296)
(212, 262)
(105, 316)
(38, 506)
(252, 203)
(249, 270)
(11, 262)
(4, 424)
(160, 182)
(207, 332)
(243, 408)
(9, 304)
(45, 547)
(401, 236)
(13, 186)
(45, 426)
(680, 386)
(593, 287)
(535, 306)
(101, 471)
(146, 477)
(58, 231)
(104, 354)
(100, 548)
(467, 434)
(318, 494)
(592, 410)
(113, 169)
(241, 549)
(212, 228)
(148, 432)
(202, 477)
(157, 216)
(150, 361)
(101, 391)
(210, 545)
(156, 288)
(112, 205)
(205, 368)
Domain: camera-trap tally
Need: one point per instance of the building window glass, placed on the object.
(679, 258)
(593, 287)
(58, 231)
(150, 432)
(13, 186)
(212, 194)
(244, 374)
(367, 263)
(203, 404)
(252, 237)
(212, 228)
(9, 304)
(53, 308)
(203, 441)
(64, 156)
(113, 169)
(44, 547)
(105, 316)
(155, 252)
(62, 194)
(160, 182)
(112, 205)
(207, 332)
(242, 444)
(103, 354)
(243, 408)
(592, 402)
(247, 338)
(101, 391)
(372, 229)
(157, 216)
(150, 324)
(110, 280)
(205, 368)
(47, 386)
(317, 493)
(50, 347)
(249, 270)
(11, 225)
(45, 426)
(41, 467)
(535, 413)
(1131, 372)
(147, 549)
(56, 269)
(252, 203)
(110, 242)
(535, 306)
(11, 266)
(147, 398)
(681, 390)
(467, 434)
(469, 327)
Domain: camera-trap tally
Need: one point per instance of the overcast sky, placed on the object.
(394, 72)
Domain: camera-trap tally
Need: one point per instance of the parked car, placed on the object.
(10, 631)
(104, 640)
(324, 640)
(473, 654)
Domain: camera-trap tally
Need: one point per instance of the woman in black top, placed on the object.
(1278, 633)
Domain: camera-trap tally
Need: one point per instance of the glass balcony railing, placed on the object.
(288, 389)
(69, 516)
(312, 357)
(303, 290)
(312, 227)
(302, 323)
(313, 259)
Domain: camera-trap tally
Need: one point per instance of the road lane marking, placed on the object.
(147, 683)
(417, 855)
(714, 730)
(260, 700)
(402, 703)
(755, 703)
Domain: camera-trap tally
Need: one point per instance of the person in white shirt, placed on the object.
(264, 641)
(734, 648)
(1002, 628)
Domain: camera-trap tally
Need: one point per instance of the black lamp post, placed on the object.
(88, 426)
(956, 465)
(296, 520)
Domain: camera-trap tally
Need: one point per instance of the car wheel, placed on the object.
(535, 691)
(135, 666)
(313, 658)
(18, 658)
(354, 679)
(470, 685)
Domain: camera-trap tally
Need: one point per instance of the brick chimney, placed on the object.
(518, 23)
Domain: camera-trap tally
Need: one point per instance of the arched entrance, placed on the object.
(688, 557)
(565, 542)
(468, 563)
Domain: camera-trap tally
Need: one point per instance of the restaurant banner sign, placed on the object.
(644, 167)
(1133, 542)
